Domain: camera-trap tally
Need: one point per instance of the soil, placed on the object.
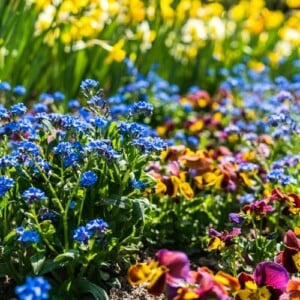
(132, 293)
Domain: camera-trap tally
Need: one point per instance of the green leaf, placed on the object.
(37, 260)
(4, 269)
(139, 207)
(10, 236)
(49, 266)
(67, 256)
(86, 287)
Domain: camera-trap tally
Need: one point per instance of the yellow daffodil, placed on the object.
(116, 53)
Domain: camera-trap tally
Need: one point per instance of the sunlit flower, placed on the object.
(290, 256)
(219, 240)
(292, 290)
(269, 281)
(116, 53)
(168, 267)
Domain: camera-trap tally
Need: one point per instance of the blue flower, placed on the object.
(88, 83)
(192, 141)
(4, 114)
(96, 228)
(5, 86)
(58, 96)
(6, 184)
(8, 161)
(95, 100)
(103, 148)
(33, 195)
(141, 107)
(73, 104)
(46, 214)
(247, 167)
(81, 234)
(19, 90)
(28, 148)
(40, 107)
(147, 145)
(27, 236)
(100, 122)
(35, 288)
(132, 129)
(46, 98)
(275, 175)
(137, 184)
(88, 179)
(18, 109)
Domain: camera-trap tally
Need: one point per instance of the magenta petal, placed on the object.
(177, 262)
(271, 274)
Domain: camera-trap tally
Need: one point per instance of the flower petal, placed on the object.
(177, 262)
(271, 274)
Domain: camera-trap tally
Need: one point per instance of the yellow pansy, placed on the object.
(196, 126)
(296, 259)
(142, 272)
(199, 182)
(213, 179)
(186, 190)
(161, 188)
(297, 230)
(246, 179)
(176, 183)
(252, 291)
(215, 244)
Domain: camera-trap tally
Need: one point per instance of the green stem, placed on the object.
(41, 231)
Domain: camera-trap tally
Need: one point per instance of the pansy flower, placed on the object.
(204, 284)
(291, 200)
(269, 281)
(258, 208)
(290, 256)
(292, 290)
(167, 268)
(219, 240)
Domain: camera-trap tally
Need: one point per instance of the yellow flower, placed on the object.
(161, 188)
(213, 179)
(42, 4)
(186, 190)
(272, 19)
(239, 12)
(215, 244)
(293, 3)
(197, 126)
(296, 259)
(199, 182)
(116, 53)
(142, 272)
(252, 291)
(167, 11)
(246, 179)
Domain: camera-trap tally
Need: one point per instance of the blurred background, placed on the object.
(51, 45)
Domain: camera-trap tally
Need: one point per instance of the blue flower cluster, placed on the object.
(6, 184)
(35, 288)
(33, 195)
(93, 229)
